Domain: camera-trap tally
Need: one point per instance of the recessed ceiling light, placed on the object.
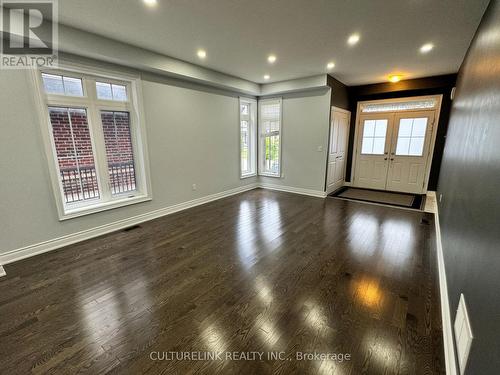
(267, 76)
(150, 3)
(395, 78)
(427, 47)
(330, 65)
(353, 39)
(271, 59)
(201, 53)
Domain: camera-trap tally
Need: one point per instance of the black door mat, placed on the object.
(413, 201)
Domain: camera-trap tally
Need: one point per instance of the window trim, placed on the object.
(252, 127)
(261, 146)
(134, 106)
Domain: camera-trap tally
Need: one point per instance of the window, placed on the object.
(110, 91)
(270, 137)
(57, 84)
(374, 134)
(248, 133)
(411, 136)
(96, 138)
(400, 106)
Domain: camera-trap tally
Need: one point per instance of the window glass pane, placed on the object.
(104, 91)
(244, 109)
(119, 92)
(416, 146)
(380, 128)
(419, 127)
(374, 132)
(271, 111)
(405, 126)
(367, 145)
(59, 85)
(411, 136)
(74, 153)
(378, 146)
(245, 138)
(402, 146)
(272, 161)
(73, 86)
(270, 114)
(53, 84)
(369, 128)
(402, 106)
(119, 151)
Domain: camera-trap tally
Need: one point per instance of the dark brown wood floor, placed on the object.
(258, 272)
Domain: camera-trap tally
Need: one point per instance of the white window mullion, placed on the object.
(100, 152)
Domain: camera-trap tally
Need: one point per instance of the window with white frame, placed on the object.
(248, 135)
(270, 137)
(95, 137)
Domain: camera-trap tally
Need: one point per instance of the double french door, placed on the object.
(392, 150)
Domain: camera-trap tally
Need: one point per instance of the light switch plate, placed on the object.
(463, 334)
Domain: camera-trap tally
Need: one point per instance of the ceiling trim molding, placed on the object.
(294, 85)
(82, 43)
(76, 42)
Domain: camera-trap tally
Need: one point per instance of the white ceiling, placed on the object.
(238, 35)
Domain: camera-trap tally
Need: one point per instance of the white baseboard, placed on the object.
(42, 247)
(56, 243)
(449, 346)
(2, 271)
(430, 202)
(290, 189)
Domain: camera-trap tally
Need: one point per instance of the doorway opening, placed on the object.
(394, 143)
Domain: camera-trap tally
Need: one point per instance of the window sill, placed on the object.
(91, 209)
(242, 177)
(270, 175)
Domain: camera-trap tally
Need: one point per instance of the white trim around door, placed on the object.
(340, 120)
(395, 150)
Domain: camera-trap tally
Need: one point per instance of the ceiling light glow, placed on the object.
(330, 65)
(427, 47)
(271, 59)
(267, 76)
(150, 3)
(395, 78)
(201, 53)
(353, 39)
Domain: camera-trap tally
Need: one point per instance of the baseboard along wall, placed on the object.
(56, 243)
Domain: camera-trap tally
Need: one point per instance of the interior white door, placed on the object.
(410, 151)
(339, 131)
(374, 142)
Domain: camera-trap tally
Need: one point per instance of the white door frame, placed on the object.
(437, 110)
(330, 135)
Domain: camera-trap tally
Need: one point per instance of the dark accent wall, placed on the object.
(469, 183)
(340, 96)
(413, 87)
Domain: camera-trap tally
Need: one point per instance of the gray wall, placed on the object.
(470, 186)
(192, 137)
(192, 134)
(340, 93)
(305, 127)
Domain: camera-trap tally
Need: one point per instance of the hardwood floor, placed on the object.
(262, 271)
